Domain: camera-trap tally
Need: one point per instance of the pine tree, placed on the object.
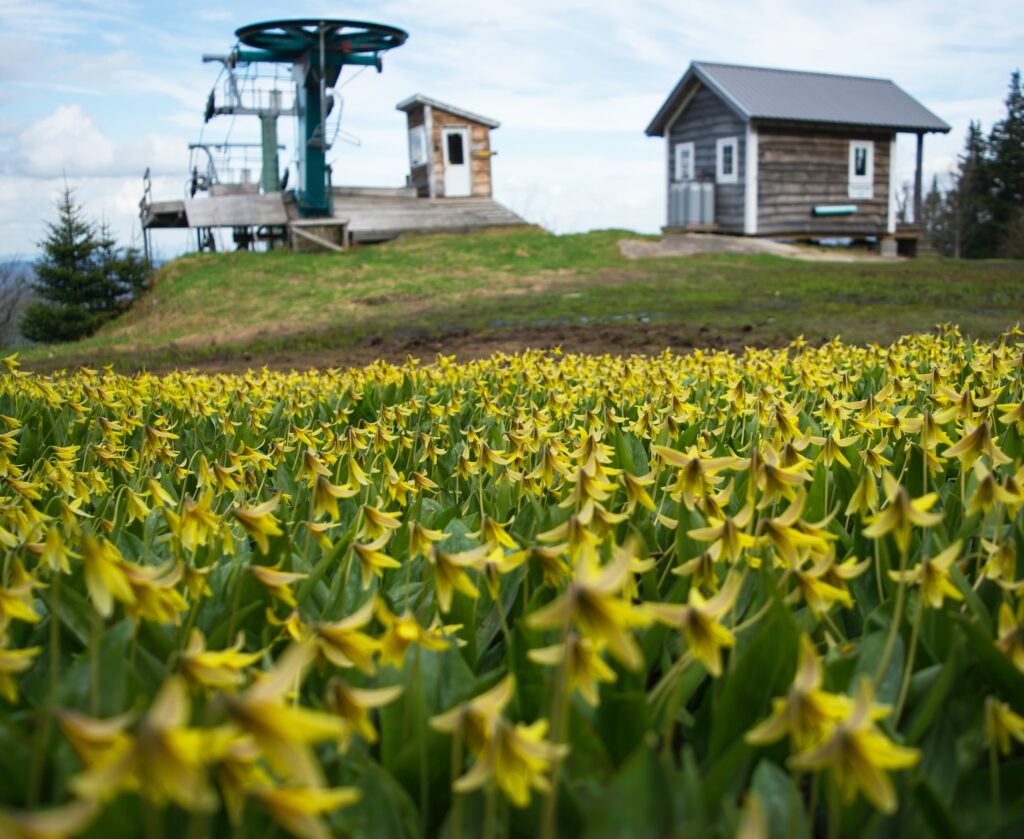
(937, 219)
(1006, 151)
(82, 279)
(974, 234)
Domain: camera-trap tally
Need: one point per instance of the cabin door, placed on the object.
(457, 178)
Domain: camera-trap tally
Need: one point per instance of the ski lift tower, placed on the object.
(316, 51)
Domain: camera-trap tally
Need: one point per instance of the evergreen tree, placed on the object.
(937, 219)
(82, 279)
(974, 234)
(1006, 150)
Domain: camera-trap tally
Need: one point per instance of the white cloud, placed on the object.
(27, 204)
(69, 142)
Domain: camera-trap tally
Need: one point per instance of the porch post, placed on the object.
(917, 178)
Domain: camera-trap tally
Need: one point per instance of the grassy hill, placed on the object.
(503, 288)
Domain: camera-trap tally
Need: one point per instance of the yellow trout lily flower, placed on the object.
(697, 476)
(450, 574)
(859, 754)
(375, 522)
(1010, 637)
(698, 620)
(421, 538)
(372, 561)
(728, 535)
(259, 522)
(105, 577)
(977, 440)
(806, 712)
(344, 644)
(12, 663)
(403, 631)
(223, 669)
(196, 523)
(1002, 725)
(478, 717)
(284, 731)
(67, 820)
(353, 706)
(518, 759)
(278, 583)
(902, 513)
(298, 809)
(594, 602)
(166, 759)
(326, 496)
(932, 575)
(586, 668)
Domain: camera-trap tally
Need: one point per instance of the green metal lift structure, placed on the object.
(316, 51)
(308, 54)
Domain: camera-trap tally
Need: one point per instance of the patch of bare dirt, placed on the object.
(690, 244)
(613, 339)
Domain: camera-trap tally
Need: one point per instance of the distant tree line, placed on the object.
(82, 279)
(982, 213)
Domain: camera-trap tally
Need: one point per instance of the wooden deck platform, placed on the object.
(378, 217)
(372, 214)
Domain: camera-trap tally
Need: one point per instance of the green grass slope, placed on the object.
(208, 306)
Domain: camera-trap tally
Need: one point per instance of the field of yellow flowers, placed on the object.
(769, 594)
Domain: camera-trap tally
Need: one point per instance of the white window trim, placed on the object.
(750, 185)
(892, 186)
(862, 186)
(734, 176)
(681, 176)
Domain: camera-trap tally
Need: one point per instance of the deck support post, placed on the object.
(917, 178)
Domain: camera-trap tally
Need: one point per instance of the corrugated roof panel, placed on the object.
(420, 99)
(791, 95)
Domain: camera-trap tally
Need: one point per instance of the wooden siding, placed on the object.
(416, 117)
(479, 164)
(704, 120)
(799, 169)
(479, 141)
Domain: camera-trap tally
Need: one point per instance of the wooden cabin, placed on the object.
(765, 152)
(449, 149)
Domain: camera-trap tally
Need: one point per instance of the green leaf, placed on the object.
(636, 803)
(622, 718)
(782, 801)
(995, 666)
(764, 668)
(872, 646)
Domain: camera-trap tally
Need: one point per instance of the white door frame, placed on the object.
(458, 179)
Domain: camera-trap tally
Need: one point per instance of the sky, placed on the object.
(96, 91)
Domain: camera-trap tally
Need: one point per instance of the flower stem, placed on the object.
(491, 811)
(993, 772)
(559, 718)
(94, 664)
(908, 671)
(835, 812)
(455, 831)
(894, 625)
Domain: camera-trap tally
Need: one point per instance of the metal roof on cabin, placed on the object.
(419, 99)
(765, 93)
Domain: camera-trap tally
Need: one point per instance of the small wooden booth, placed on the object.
(449, 149)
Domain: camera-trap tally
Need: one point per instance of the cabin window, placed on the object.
(418, 146)
(684, 162)
(726, 164)
(456, 154)
(862, 169)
